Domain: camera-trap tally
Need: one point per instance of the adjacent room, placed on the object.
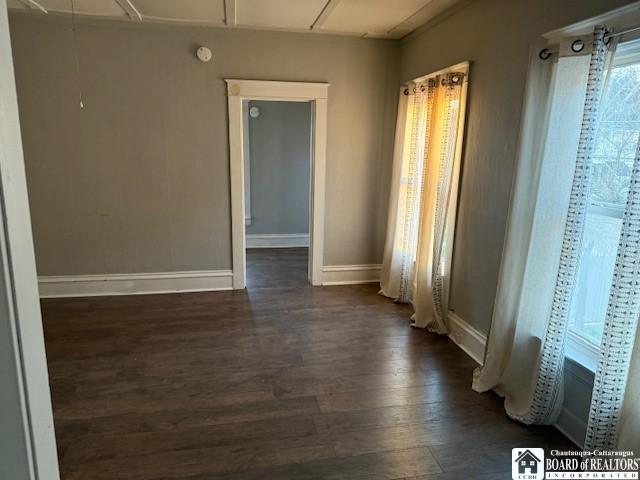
(277, 174)
(319, 239)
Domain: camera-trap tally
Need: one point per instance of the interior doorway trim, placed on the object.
(317, 95)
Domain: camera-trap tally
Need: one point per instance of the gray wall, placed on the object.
(138, 181)
(280, 146)
(496, 36)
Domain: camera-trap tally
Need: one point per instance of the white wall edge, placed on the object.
(281, 240)
(28, 442)
(578, 371)
(134, 283)
(350, 274)
(583, 354)
(471, 341)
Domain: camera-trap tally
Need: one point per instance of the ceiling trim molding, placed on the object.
(160, 22)
(230, 13)
(325, 13)
(178, 22)
(130, 9)
(441, 17)
(399, 25)
(32, 4)
(621, 18)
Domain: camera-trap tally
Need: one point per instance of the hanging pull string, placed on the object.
(75, 52)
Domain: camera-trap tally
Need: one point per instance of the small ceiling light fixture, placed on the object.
(204, 54)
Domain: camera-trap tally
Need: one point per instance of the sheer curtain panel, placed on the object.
(544, 231)
(418, 250)
(552, 198)
(607, 412)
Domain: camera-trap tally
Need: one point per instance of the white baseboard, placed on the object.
(134, 283)
(472, 341)
(350, 274)
(278, 240)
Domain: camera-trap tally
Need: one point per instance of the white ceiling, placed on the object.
(367, 18)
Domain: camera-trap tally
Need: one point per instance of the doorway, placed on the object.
(243, 92)
(277, 172)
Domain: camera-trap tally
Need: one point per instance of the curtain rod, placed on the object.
(546, 53)
(623, 32)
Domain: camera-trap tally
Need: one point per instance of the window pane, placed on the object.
(595, 273)
(615, 146)
(617, 137)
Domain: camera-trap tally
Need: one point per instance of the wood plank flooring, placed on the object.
(282, 267)
(276, 382)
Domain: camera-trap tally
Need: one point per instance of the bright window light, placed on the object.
(615, 146)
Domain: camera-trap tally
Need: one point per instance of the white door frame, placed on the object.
(27, 441)
(317, 95)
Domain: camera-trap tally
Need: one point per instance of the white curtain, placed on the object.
(542, 246)
(547, 395)
(515, 335)
(545, 221)
(417, 258)
(534, 243)
(629, 417)
(606, 413)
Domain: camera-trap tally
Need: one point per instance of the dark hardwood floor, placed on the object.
(276, 382)
(277, 267)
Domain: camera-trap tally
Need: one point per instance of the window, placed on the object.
(616, 140)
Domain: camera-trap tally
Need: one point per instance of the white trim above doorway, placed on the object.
(315, 93)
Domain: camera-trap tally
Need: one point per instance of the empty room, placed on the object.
(319, 239)
(277, 167)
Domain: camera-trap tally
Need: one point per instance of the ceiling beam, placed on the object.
(130, 9)
(326, 11)
(33, 5)
(230, 12)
